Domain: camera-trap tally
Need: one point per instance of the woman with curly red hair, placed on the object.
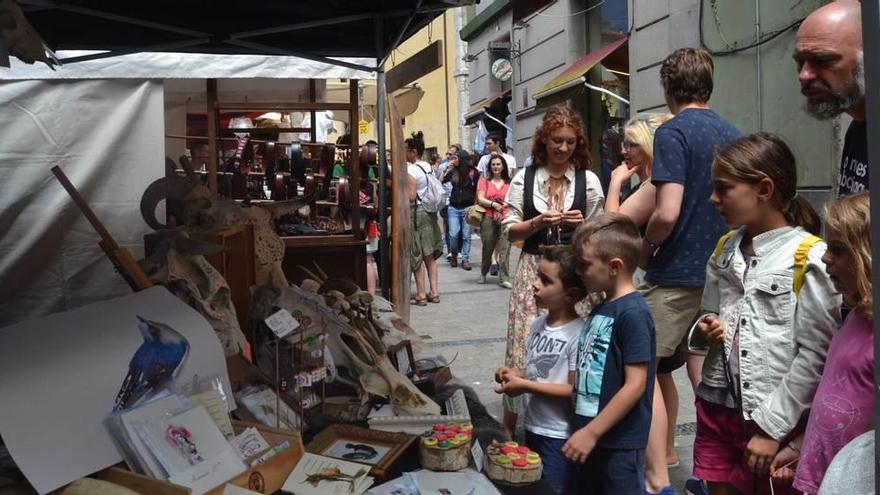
(545, 203)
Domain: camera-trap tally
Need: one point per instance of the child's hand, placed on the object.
(782, 468)
(513, 385)
(760, 452)
(579, 445)
(500, 372)
(712, 329)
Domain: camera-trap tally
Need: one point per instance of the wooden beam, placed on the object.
(424, 62)
(213, 127)
(401, 221)
(286, 107)
(354, 159)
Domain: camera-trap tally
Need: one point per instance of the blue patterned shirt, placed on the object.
(683, 151)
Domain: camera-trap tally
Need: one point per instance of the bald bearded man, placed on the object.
(831, 69)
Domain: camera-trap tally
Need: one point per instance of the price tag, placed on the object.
(477, 452)
(282, 323)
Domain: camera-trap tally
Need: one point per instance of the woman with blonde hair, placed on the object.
(545, 203)
(638, 159)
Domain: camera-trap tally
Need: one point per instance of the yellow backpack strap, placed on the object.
(721, 242)
(800, 261)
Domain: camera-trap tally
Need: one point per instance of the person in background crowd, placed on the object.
(463, 177)
(199, 155)
(684, 226)
(435, 162)
(553, 344)
(843, 405)
(495, 144)
(769, 310)
(427, 243)
(611, 156)
(444, 213)
(545, 203)
(831, 69)
(491, 194)
(637, 150)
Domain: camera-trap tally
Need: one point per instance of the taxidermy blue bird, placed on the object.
(154, 363)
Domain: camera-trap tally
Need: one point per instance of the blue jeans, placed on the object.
(557, 469)
(457, 226)
(611, 472)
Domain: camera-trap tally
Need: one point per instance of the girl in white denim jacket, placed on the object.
(771, 310)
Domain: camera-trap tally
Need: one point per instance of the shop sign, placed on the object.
(502, 69)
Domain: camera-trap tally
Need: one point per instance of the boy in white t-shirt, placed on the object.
(552, 342)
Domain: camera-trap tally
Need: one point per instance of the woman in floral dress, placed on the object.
(545, 203)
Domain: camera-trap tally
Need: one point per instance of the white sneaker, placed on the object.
(482, 279)
(506, 285)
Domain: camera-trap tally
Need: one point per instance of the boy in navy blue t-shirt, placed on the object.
(614, 365)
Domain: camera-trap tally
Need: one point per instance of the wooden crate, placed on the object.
(264, 478)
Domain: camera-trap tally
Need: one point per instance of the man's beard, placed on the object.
(837, 103)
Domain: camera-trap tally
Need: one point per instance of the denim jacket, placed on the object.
(783, 336)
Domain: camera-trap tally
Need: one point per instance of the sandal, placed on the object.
(418, 301)
(434, 299)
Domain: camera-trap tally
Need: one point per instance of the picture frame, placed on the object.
(380, 450)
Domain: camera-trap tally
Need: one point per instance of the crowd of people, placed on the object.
(712, 261)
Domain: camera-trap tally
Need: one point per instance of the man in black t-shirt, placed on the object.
(831, 70)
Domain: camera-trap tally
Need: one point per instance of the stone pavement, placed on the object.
(469, 328)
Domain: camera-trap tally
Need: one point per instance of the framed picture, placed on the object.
(381, 450)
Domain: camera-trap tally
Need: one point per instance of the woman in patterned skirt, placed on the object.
(546, 202)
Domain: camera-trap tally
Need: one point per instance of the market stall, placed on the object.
(160, 391)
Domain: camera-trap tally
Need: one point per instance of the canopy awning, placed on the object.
(309, 29)
(614, 55)
(477, 111)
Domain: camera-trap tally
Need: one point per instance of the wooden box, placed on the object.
(263, 478)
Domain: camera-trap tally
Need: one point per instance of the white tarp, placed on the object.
(108, 137)
(162, 65)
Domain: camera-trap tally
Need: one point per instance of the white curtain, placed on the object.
(108, 137)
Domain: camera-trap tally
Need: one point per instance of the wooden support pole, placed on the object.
(213, 128)
(401, 221)
(354, 159)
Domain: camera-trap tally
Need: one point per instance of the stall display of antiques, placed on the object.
(205, 404)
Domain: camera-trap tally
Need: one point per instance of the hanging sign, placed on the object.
(502, 69)
(363, 126)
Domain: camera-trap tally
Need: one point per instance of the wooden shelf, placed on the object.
(301, 241)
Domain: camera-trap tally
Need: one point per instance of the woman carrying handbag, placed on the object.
(491, 191)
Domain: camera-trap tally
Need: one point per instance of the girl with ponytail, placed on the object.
(769, 311)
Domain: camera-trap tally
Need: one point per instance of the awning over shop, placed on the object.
(614, 56)
(319, 30)
(477, 111)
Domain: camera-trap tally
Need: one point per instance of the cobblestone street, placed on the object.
(469, 327)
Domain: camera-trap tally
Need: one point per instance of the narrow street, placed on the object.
(469, 327)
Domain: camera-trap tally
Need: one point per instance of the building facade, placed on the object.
(756, 88)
